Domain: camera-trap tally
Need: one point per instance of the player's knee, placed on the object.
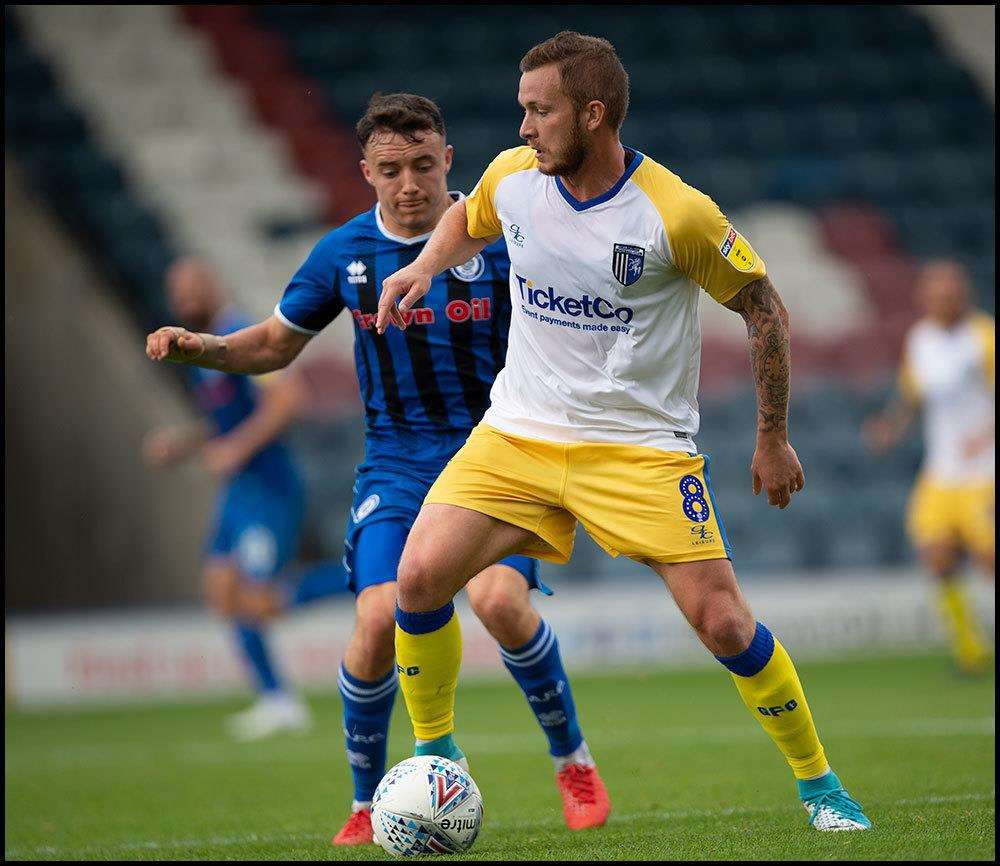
(219, 586)
(376, 625)
(501, 606)
(418, 584)
(725, 627)
(941, 560)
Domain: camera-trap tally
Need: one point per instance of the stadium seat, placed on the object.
(870, 146)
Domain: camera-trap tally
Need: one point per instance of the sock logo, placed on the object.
(789, 707)
(411, 671)
(552, 719)
(364, 739)
(359, 760)
(549, 695)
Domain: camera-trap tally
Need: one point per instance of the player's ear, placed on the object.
(449, 155)
(366, 171)
(595, 112)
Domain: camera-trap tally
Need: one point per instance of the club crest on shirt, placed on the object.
(472, 270)
(627, 262)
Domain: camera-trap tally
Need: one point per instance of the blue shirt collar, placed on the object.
(578, 205)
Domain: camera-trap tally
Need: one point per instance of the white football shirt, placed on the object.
(605, 342)
(951, 372)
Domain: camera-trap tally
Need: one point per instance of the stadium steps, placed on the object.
(185, 136)
(66, 161)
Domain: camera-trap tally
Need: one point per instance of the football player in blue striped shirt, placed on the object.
(423, 389)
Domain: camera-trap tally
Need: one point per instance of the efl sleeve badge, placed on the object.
(737, 251)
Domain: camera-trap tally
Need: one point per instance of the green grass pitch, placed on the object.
(690, 774)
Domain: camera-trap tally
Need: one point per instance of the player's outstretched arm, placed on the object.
(883, 431)
(775, 466)
(169, 445)
(280, 403)
(262, 348)
(448, 246)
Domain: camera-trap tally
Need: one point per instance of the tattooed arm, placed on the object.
(775, 467)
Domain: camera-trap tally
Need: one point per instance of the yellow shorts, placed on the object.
(957, 514)
(642, 502)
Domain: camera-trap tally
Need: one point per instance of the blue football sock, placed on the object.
(319, 581)
(367, 710)
(539, 672)
(254, 649)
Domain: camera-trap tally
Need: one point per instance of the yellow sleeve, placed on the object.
(985, 329)
(480, 206)
(266, 380)
(702, 243)
(907, 383)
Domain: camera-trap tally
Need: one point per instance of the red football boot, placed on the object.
(585, 799)
(357, 830)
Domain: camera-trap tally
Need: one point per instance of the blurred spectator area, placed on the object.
(848, 142)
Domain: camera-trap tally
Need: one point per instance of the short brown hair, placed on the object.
(403, 113)
(589, 68)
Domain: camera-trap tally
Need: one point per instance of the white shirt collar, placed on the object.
(419, 239)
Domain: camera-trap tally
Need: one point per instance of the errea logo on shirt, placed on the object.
(356, 273)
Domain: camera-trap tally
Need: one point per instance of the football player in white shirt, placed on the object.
(948, 372)
(594, 416)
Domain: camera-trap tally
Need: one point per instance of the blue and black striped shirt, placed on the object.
(426, 387)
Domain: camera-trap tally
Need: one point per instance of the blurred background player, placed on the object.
(260, 508)
(948, 374)
(423, 390)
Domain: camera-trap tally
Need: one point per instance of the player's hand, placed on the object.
(776, 469)
(257, 603)
(223, 457)
(174, 344)
(164, 447)
(975, 445)
(407, 286)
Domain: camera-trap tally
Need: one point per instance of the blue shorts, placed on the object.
(258, 524)
(386, 503)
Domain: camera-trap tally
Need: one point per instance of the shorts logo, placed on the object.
(257, 551)
(627, 262)
(701, 535)
(737, 251)
(694, 503)
(365, 508)
(356, 273)
(472, 270)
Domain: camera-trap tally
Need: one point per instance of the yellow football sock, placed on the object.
(766, 680)
(967, 646)
(428, 656)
